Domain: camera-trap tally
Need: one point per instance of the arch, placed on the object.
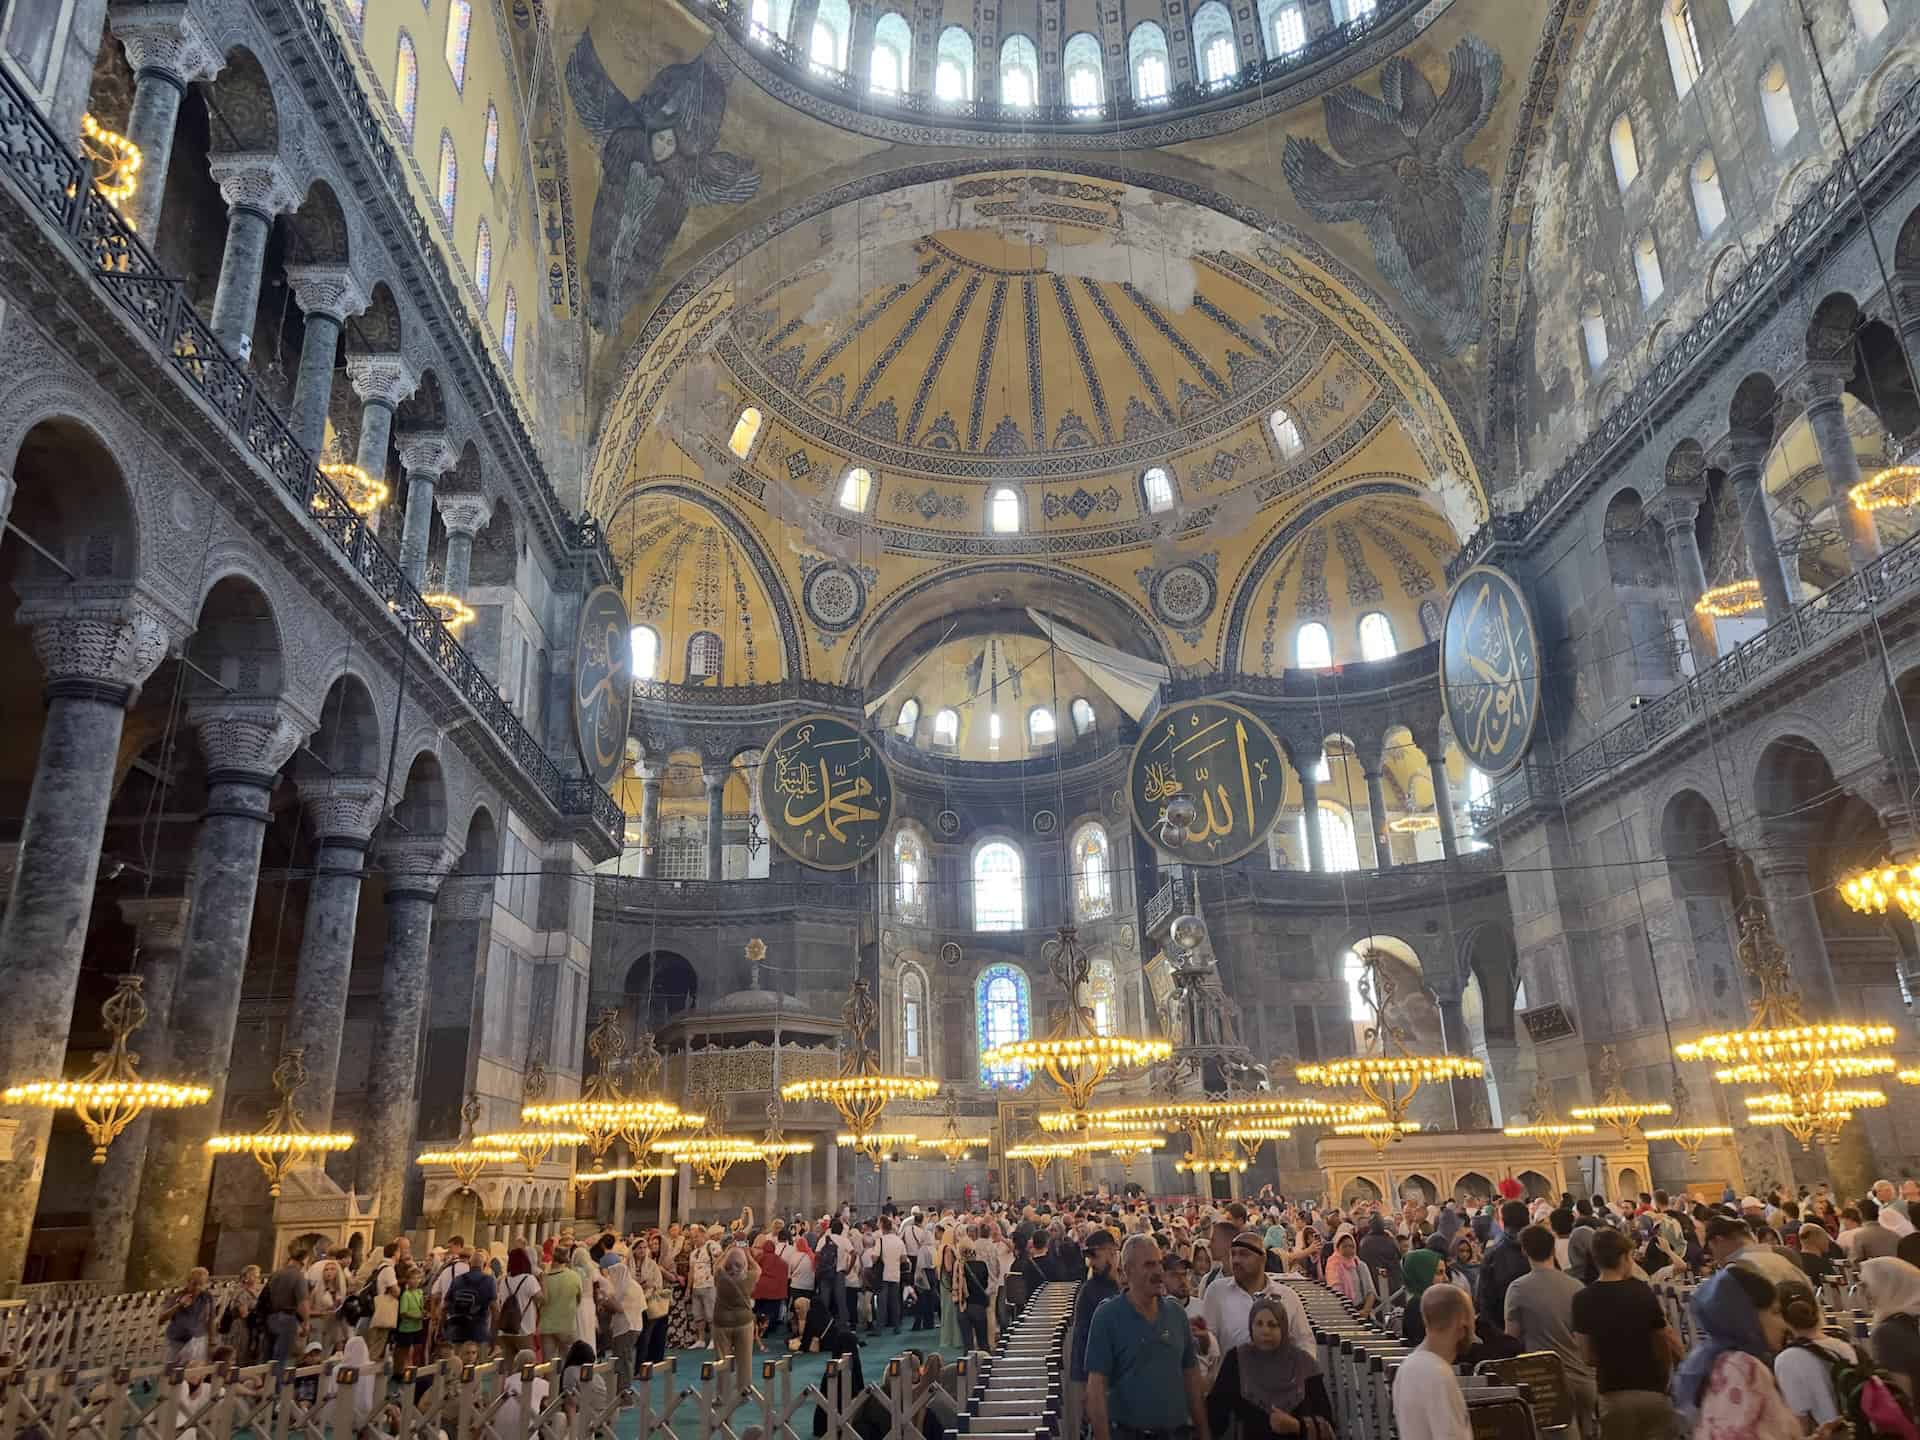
(324, 233)
(1149, 68)
(459, 31)
(771, 19)
(1042, 728)
(349, 741)
(377, 330)
(856, 490)
(1537, 1186)
(998, 870)
(832, 34)
(406, 83)
(496, 549)
(237, 648)
(1831, 328)
(704, 653)
(1359, 1190)
(910, 872)
(1083, 74)
(447, 187)
(746, 430)
(1776, 105)
(1646, 269)
(1003, 1013)
(890, 66)
(1082, 713)
(643, 649)
(1418, 1187)
(1156, 489)
(1791, 777)
(482, 259)
(1624, 151)
(1709, 199)
(664, 983)
(242, 94)
(490, 144)
(1216, 54)
(73, 498)
(1628, 1182)
(1313, 646)
(915, 1054)
(1090, 859)
(953, 66)
(908, 720)
(1019, 72)
(946, 728)
(1286, 434)
(422, 811)
(1283, 28)
(510, 325)
(1750, 414)
(1472, 1186)
(1101, 996)
(1376, 637)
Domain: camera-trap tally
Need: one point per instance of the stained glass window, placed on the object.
(490, 147)
(357, 12)
(449, 177)
(406, 84)
(909, 874)
(510, 324)
(459, 24)
(1092, 873)
(1004, 1005)
(998, 899)
(483, 259)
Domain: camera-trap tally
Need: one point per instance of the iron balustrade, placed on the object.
(57, 183)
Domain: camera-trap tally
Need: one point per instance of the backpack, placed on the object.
(510, 1310)
(359, 1305)
(826, 1259)
(463, 1298)
(1869, 1401)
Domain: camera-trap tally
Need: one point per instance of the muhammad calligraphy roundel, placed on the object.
(825, 792)
(602, 683)
(1490, 670)
(1226, 761)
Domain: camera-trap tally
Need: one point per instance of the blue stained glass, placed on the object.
(510, 325)
(449, 176)
(1004, 1009)
(490, 149)
(483, 260)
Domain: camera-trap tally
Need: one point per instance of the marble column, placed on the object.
(665, 1182)
(159, 928)
(414, 871)
(649, 818)
(95, 661)
(1747, 458)
(1453, 1034)
(1377, 808)
(381, 382)
(425, 455)
(328, 295)
(1310, 808)
(464, 517)
(1443, 804)
(1821, 385)
(344, 812)
(167, 51)
(715, 779)
(1781, 862)
(246, 741)
(684, 1188)
(256, 187)
(1676, 507)
(833, 1175)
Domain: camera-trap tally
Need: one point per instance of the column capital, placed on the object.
(387, 378)
(466, 897)
(416, 866)
(715, 777)
(110, 641)
(167, 40)
(1676, 505)
(1744, 455)
(255, 180)
(462, 513)
(328, 290)
(247, 736)
(159, 922)
(426, 452)
(1820, 383)
(341, 809)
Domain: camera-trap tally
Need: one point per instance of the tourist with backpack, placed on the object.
(519, 1320)
(1805, 1365)
(466, 1313)
(1894, 1286)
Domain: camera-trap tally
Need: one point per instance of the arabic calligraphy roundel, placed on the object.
(1226, 760)
(826, 792)
(1490, 670)
(602, 683)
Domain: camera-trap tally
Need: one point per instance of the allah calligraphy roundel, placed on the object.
(826, 792)
(602, 683)
(1226, 761)
(1490, 670)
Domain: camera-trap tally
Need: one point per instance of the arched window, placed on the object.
(483, 259)
(459, 23)
(953, 66)
(890, 66)
(1003, 511)
(1337, 847)
(703, 657)
(1147, 63)
(1285, 28)
(1626, 154)
(908, 719)
(856, 487)
(946, 728)
(1004, 1006)
(1086, 85)
(1479, 792)
(1156, 487)
(1092, 862)
(1353, 970)
(1709, 201)
(1776, 104)
(1019, 72)
(1040, 727)
(1286, 434)
(832, 28)
(993, 732)
(1870, 16)
(1683, 45)
(1213, 43)
(490, 147)
(745, 431)
(1083, 718)
(1376, 637)
(999, 894)
(449, 187)
(1100, 994)
(909, 873)
(510, 324)
(1593, 333)
(406, 84)
(644, 641)
(913, 1018)
(1646, 269)
(1313, 646)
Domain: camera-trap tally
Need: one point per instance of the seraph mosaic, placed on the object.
(658, 159)
(1399, 167)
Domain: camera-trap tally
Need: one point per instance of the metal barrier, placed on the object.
(101, 1332)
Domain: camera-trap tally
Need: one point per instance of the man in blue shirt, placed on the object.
(1143, 1377)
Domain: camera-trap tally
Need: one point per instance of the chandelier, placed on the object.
(1207, 1123)
(775, 1148)
(1871, 890)
(115, 160)
(710, 1150)
(286, 1143)
(1617, 1108)
(1252, 1137)
(1909, 1077)
(111, 1095)
(1388, 1073)
(859, 1092)
(950, 1142)
(1690, 1138)
(449, 609)
(604, 1112)
(1729, 601)
(1414, 824)
(529, 1147)
(1890, 486)
(467, 1157)
(1800, 1062)
(1123, 1147)
(1039, 1154)
(1546, 1129)
(358, 490)
(584, 1180)
(1381, 1134)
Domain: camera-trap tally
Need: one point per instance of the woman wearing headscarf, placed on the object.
(1268, 1386)
(586, 1324)
(1894, 1287)
(1420, 1269)
(1347, 1276)
(1725, 1389)
(359, 1359)
(651, 1268)
(947, 1260)
(1463, 1264)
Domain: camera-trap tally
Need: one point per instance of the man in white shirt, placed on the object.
(893, 1254)
(1892, 1215)
(1230, 1298)
(919, 1244)
(1427, 1400)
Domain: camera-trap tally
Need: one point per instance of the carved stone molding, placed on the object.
(252, 735)
(426, 452)
(255, 180)
(465, 897)
(343, 807)
(418, 864)
(159, 923)
(115, 641)
(1676, 506)
(328, 290)
(166, 38)
(464, 514)
(387, 378)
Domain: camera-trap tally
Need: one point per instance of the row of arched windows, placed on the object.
(999, 878)
(703, 655)
(1003, 1013)
(1313, 642)
(1042, 729)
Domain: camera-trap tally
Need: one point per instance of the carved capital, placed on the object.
(328, 290)
(463, 514)
(167, 39)
(1820, 383)
(715, 777)
(426, 452)
(347, 808)
(466, 897)
(1743, 456)
(158, 923)
(256, 736)
(109, 641)
(255, 180)
(418, 865)
(1676, 506)
(386, 378)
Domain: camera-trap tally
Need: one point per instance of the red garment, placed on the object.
(772, 1284)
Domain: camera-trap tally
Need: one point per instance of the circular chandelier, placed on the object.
(1690, 1138)
(465, 1161)
(711, 1155)
(1889, 486)
(859, 1092)
(1039, 1154)
(1909, 1077)
(951, 1142)
(1414, 824)
(1616, 1107)
(876, 1143)
(115, 160)
(1379, 1133)
(449, 609)
(530, 1147)
(583, 1180)
(286, 1143)
(604, 1112)
(358, 490)
(111, 1095)
(775, 1148)
(1872, 890)
(1252, 1137)
(1728, 602)
(1545, 1127)
(1207, 1122)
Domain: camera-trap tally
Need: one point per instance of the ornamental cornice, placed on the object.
(463, 514)
(255, 180)
(386, 378)
(426, 452)
(328, 290)
(418, 863)
(166, 38)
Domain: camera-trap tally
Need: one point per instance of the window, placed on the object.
(1593, 334)
(1083, 718)
(913, 1018)
(1322, 768)
(890, 68)
(770, 20)
(1003, 511)
(703, 657)
(1286, 434)
(644, 642)
(832, 28)
(1040, 727)
(1646, 268)
(1002, 1000)
(909, 873)
(1288, 31)
(993, 732)
(1709, 203)
(683, 849)
(1626, 154)
(1213, 43)
(1157, 487)
(510, 324)
(1776, 104)
(490, 147)
(449, 186)
(1147, 61)
(745, 431)
(406, 84)
(1376, 637)
(946, 728)
(1019, 72)
(999, 902)
(32, 32)
(483, 259)
(855, 488)
(1313, 646)
(1869, 15)
(1353, 970)
(1092, 863)
(884, 71)
(953, 66)
(1337, 848)
(1085, 79)
(908, 719)
(1347, 10)
(357, 12)
(1099, 996)
(1683, 45)
(459, 22)
(1479, 792)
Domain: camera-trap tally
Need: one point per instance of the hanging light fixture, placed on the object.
(1874, 888)
(467, 1157)
(951, 1141)
(585, 1180)
(115, 159)
(1894, 485)
(859, 1092)
(358, 490)
(1039, 1154)
(1381, 1134)
(1123, 1147)
(604, 1112)
(1616, 1107)
(111, 1095)
(1251, 1137)
(775, 1148)
(1689, 1137)
(1730, 601)
(529, 1147)
(1414, 824)
(286, 1143)
(1546, 1129)
(1207, 1122)
(449, 609)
